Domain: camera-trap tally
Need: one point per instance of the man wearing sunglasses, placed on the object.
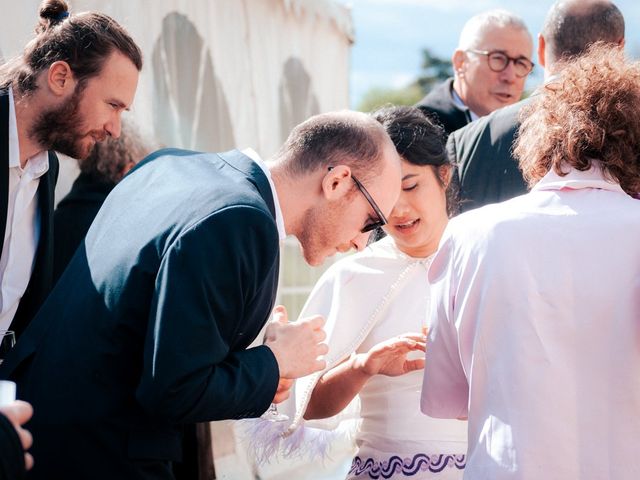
(491, 64)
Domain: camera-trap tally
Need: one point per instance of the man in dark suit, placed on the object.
(490, 66)
(147, 328)
(108, 162)
(64, 93)
(487, 171)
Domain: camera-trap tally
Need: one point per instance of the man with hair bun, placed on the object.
(536, 300)
(65, 92)
(490, 66)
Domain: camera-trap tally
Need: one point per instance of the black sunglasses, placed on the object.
(499, 61)
(382, 220)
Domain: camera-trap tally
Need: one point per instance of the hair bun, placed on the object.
(51, 13)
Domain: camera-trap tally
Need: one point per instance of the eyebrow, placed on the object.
(408, 176)
(505, 52)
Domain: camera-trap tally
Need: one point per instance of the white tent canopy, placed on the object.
(223, 73)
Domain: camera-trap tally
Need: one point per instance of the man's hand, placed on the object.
(297, 345)
(283, 391)
(390, 357)
(19, 413)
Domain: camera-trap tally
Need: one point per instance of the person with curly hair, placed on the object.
(536, 300)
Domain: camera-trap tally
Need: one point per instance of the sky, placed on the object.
(390, 35)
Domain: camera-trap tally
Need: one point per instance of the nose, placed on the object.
(400, 209)
(509, 74)
(114, 126)
(360, 241)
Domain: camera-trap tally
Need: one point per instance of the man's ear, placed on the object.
(336, 182)
(458, 60)
(541, 51)
(60, 79)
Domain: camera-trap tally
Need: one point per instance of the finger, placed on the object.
(411, 365)
(281, 396)
(280, 314)
(28, 461)
(284, 384)
(26, 439)
(322, 349)
(418, 337)
(18, 411)
(319, 335)
(412, 345)
(316, 322)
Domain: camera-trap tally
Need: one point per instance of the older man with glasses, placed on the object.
(490, 65)
(487, 172)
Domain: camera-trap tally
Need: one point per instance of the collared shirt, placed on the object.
(536, 333)
(22, 230)
(458, 101)
(253, 155)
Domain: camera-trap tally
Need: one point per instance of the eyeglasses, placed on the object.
(382, 220)
(498, 61)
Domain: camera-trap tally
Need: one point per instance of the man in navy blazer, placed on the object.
(148, 327)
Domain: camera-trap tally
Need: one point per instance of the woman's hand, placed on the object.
(390, 357)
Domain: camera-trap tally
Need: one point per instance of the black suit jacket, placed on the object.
(42, 276)
(73, 217)
(148, 326)
(440, 106)
(483, 151)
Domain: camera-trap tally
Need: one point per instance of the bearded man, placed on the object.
(65, 92)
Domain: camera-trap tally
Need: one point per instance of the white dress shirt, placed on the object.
(536, 308)
(252, 154)
(22, 231)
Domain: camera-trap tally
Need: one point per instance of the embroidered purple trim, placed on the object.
(407, 467)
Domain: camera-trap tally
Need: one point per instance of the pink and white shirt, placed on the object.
(536, 332)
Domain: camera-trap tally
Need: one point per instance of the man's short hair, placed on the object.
(477, 26)
(570, 28)
(590, 114)
(84, 41)
(350, 138)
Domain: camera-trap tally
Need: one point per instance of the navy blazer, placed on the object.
(42, 276)
(148, 327)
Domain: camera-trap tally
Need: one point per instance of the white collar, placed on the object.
(249, 152)
(458, 101)
(39, 163)
(576, 179)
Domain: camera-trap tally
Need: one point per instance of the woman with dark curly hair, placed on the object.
(536, 300)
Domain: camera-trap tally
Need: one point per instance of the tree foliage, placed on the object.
(433, 71)
(378, 97)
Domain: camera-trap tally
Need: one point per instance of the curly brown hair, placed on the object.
(590, 113)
